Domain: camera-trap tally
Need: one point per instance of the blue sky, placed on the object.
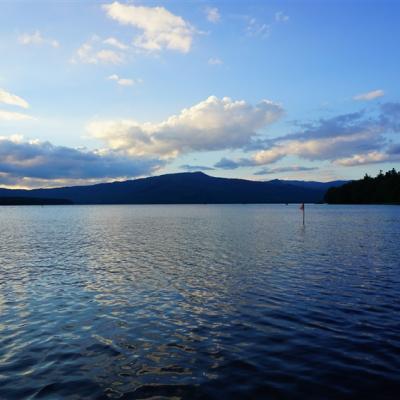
(97, 91)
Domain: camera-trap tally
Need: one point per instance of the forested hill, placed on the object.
(183, 188)
(384, 188)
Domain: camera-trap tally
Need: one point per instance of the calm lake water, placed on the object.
(219, 302)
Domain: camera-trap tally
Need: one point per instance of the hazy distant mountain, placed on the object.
(314, 184)
(183, 188)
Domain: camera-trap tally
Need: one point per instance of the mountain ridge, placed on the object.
(182, 188)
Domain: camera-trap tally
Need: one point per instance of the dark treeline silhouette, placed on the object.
(31, 201)
(384, 188)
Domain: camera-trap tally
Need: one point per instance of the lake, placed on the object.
(204, 301)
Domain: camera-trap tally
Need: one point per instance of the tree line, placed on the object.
(384, 188)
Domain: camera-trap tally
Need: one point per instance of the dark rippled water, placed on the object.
(218, 302)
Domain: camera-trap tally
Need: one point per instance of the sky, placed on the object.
(94, 91)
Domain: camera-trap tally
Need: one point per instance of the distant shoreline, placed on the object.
(69, 203)
(33, 201)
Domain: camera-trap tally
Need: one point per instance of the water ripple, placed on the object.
(170, 302)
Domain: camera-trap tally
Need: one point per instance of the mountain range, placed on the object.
(181, 188)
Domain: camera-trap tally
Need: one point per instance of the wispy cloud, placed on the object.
(281, 17)
(92, 52)
(374, 94)
(111, 41)
(12, 99)
(124, 81)
(36, 38)
(278, 170)
(257, 29)
(212, 14)
(192, 168)
(14, 116)
(215, 61)
(160, 28)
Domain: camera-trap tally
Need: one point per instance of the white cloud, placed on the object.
(269, 156)
(215, 61)
(36, 38)
(368, 158)
(13, 116)
(108, 56)
(115, 43)
(91, 52)
(281, 17)
(213, 124)
(124, 81)
(160, 28)
(314, 149)
(12, 99)
(374, 94)
(212, 14)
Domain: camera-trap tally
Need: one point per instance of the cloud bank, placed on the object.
(347, 140)
(213, 124)
(35, 160)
